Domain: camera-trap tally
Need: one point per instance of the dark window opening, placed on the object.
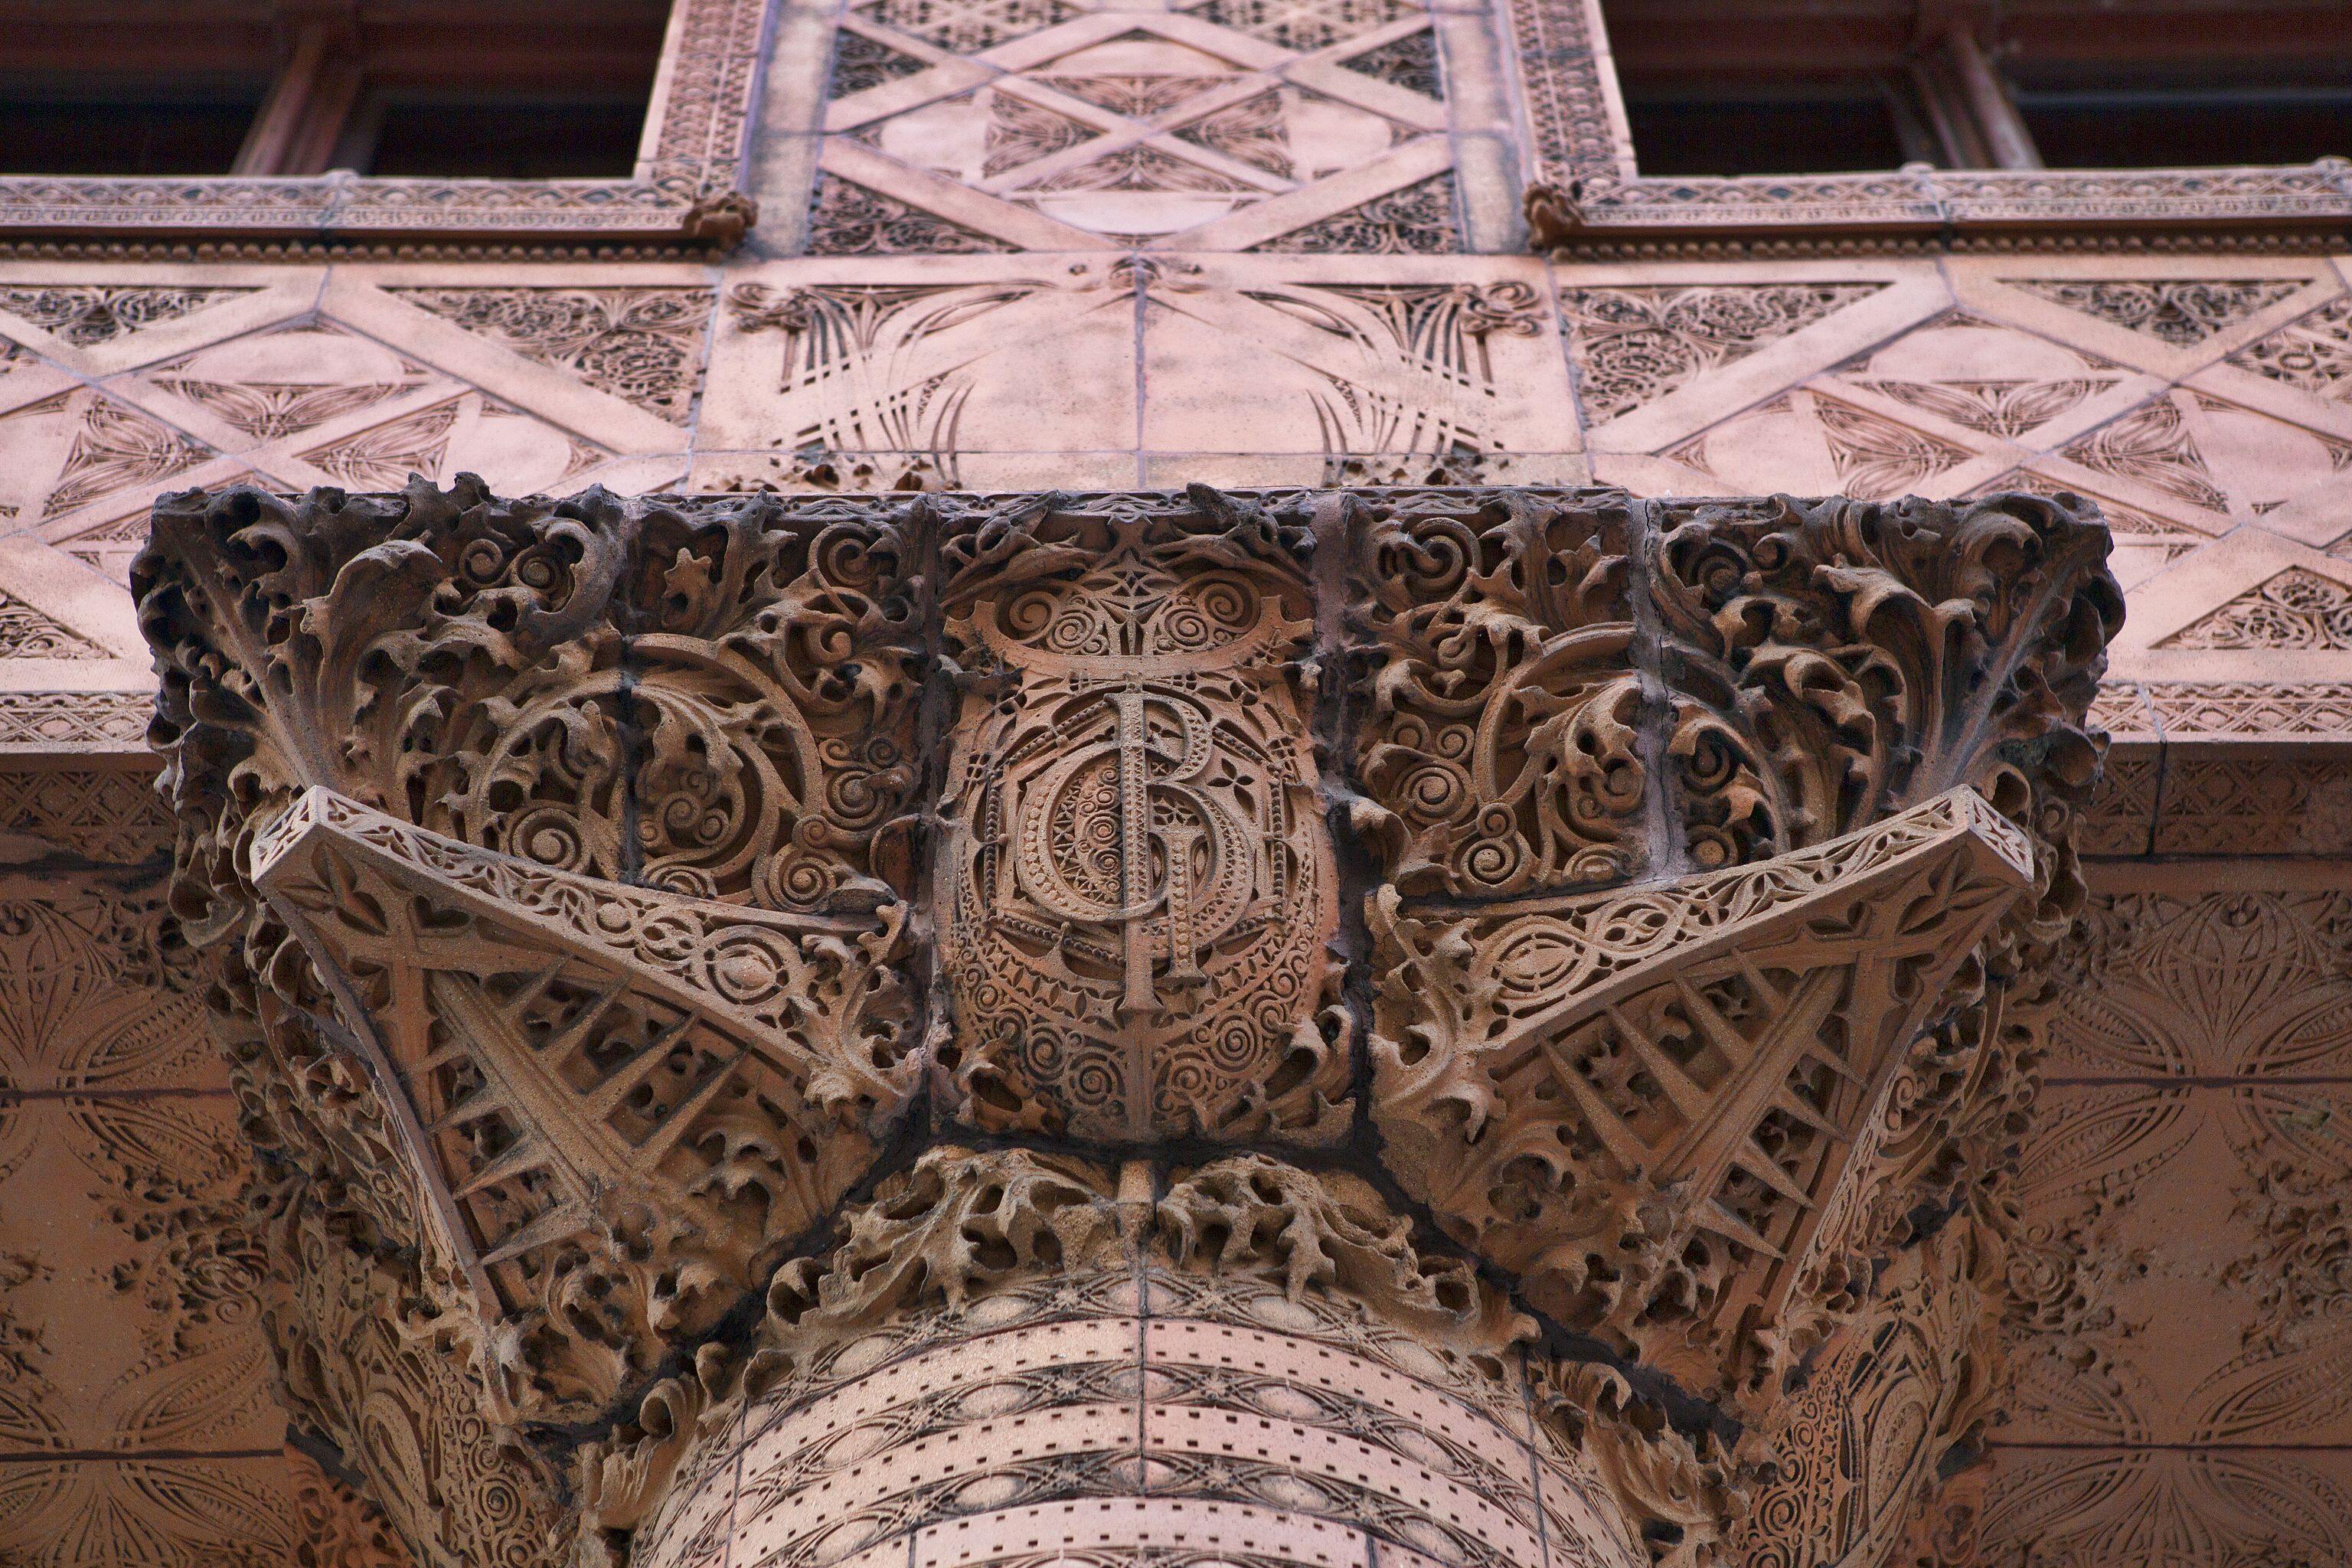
(94, 125)
(2122, 127)
(445, 89)
(1686, 128)
(513, 136)
(1796, 86)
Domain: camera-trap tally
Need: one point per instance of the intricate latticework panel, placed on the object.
(1661, 1091)
(571, 1051)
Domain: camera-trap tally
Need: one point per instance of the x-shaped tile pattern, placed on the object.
(120, 385)
(2197, 400)
(1215, 123)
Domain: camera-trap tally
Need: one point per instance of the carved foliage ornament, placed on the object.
(548, 835)
(557, 869)
(971, 1242)
(1851, 749)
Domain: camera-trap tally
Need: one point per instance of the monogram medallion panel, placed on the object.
(1136, 885)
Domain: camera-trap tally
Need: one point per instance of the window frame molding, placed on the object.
(688, 187)
(1585, 195)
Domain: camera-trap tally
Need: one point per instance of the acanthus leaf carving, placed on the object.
(1830, 674)
(1895, 1395)
(363, 1359)
(1680, 1487)
(1332, 1233)
(340, 1527)
(420, 746)
(1836, 658)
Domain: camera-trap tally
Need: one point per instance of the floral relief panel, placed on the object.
(139, 1422)
(2178, 1396)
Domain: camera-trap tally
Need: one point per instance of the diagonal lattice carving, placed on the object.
(1636, 1097)
(560, 1051)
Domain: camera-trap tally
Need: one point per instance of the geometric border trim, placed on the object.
(687, 186)
(92, 725)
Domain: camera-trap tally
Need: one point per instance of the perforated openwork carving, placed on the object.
(617, 913)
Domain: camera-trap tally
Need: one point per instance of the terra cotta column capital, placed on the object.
(1592, 939)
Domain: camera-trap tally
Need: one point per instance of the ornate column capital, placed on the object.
(1590, 939)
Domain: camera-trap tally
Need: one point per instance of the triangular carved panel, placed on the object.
(1634, 344)
(268, 386)
(644, 345)
(89, 314)
(26, 633)
(2298, 608)
(2313, 355)
(2180, 311)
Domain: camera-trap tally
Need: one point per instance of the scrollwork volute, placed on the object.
(1503, 722)
(848, 975)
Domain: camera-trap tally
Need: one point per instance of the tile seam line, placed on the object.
(31, 1096)
(133, 1456)
(2028, 1445)
(2202, 1081)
